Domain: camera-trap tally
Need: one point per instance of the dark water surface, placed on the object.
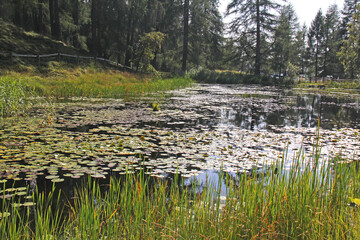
(197, 131)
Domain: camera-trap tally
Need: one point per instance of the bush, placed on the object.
(229, 77)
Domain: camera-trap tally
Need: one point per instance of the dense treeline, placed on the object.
(266, 37)
(263, 37)
(114, 29)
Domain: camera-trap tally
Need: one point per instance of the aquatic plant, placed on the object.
(308, 201)
(14, 96)
(155, 106)
(103, 83)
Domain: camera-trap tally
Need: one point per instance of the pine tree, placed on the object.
(284, 49)
(205, 33)
(315, 41)
(350, 51)
(253, 17)
(331, 42)
(186, 35)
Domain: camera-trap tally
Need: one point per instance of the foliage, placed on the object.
(253, 19)
(350, 51)
(228, 77)
(265, 34)
(284, 50)
(307, 200)
(149, 45)
(315, 39)
(14, 97)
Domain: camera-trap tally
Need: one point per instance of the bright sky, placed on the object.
(305, 9)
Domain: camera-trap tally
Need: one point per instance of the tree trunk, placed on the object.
(186, 35)
(76, 22)
(2, 9)
(129, 34)
(41, 26)
(98, 26)
(57, 26)
(316, 61)
(51, 12)
(94, 27)
(258, 40)
(18, 12)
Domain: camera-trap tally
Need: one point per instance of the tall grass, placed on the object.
(307, 201)
(62, 81)
(14, 96)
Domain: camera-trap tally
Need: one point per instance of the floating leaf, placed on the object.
(57, 180)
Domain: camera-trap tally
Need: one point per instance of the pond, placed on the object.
(197, 132)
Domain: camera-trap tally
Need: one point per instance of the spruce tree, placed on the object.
(253, 17)
(315, 41)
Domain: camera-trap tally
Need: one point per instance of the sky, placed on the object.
(305, 9)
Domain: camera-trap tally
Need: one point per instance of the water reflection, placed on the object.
(279, 109)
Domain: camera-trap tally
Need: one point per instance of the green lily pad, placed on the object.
(51, 177)
(56, 180)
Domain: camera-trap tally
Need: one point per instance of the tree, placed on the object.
(315, 40)
(284, 48)
(348, 12)
(300, 46)
(350, 51)
(253, 17)
(186, 35)
(205, 33)
(41, 19)
(332, 42)
(95, 31)
(55, 19)
(149, 44)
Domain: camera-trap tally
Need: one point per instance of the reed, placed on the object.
(307, 201)
(62, 81)
(14, 97)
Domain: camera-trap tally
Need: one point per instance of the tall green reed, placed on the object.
(308, 200)
(14, 96)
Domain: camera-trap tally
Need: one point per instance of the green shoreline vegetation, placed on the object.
(314, 198)
(307, 201)
(59, 80)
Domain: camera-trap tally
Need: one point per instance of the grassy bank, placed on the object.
(61, 80)
(350, 86)
(312, 202)
(234, 77)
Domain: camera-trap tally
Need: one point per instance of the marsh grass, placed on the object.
(14, 97)
(60, 80)
(307, 201)
(328, 86)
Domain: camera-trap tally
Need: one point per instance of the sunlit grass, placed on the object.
(342, 85)
(62, 81)
(91, 81)
(307, 201)
(14, 96)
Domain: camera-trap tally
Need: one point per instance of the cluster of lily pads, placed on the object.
(189, 136)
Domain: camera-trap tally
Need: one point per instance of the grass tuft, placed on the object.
(14, 97)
